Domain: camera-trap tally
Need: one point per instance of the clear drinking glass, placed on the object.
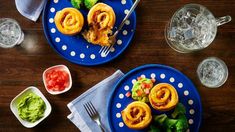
(193, 27)
(10, 33)
(212, 72)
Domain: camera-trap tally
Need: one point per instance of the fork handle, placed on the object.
(127, 15)
(100, 125)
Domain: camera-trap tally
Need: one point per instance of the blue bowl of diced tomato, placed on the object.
(57, 79)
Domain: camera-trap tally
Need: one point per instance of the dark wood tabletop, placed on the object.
(23, 65)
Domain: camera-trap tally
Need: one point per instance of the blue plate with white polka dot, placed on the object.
(75, 48)
(187, 92)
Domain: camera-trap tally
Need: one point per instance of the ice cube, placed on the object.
(173, 32)
(188, 34)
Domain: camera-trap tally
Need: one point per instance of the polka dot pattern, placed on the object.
(82, 56)
(124, 32)
(121, 96)
(126, 11)
(184, 89)
(72, 53)
(123, 2)
(133, 81)
(127, 22)
(118, 115)
(118, 105)
(190, 102)
(162, 76)
(190, 121)
(143, 76)
(53, 30)
(53, 8)
(64, 47)
(112, 49)
(180, 85)
(126, 88)
(57, 39)
(191, 111)
(172, 79)
(56, 1)
(92, 56)
(119, 42)
(121, 124)
(51, 20)
(186, 92)
(153, 75)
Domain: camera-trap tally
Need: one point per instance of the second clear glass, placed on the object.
(10, 33)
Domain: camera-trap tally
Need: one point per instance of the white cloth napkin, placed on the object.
(30, 9)
(99, 96)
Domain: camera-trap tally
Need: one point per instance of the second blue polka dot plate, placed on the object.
(187, 92)
(75, 48)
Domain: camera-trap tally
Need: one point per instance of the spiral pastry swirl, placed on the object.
(69, 21)
(101, 19)
(137, 115)
(101, 15)
(163, 97)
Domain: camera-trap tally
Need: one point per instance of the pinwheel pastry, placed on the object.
(69, 21)
(101, 19)
(141, 89)
(137, 115)
(163, 97)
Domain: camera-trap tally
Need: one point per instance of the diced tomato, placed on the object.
(128, 94)
(57, 80)
(66, 84)
(153, 80)
(147, 86)
(143, 85)
(139, 78)
(51, 83)
(147, 91)
(139, 92)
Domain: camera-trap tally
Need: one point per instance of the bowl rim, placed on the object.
(36, 91)
(52, 67)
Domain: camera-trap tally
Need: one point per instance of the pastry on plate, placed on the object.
(101, 19)
(163, 97)
(141, 89)
(137, 115)
(69, 21)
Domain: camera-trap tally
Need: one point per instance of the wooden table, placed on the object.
(23, 65)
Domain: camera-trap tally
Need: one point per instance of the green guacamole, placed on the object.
(31, 108)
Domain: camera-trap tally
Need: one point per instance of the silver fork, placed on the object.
(92, 112)
(104, 51)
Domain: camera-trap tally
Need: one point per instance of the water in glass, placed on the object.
(212, 72)
(10, 33)
(193, 27)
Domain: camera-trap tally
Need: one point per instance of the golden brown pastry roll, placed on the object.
(69, 21)
(101, 19)
(137, 115)
(163, 97)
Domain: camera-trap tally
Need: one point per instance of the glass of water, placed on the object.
(212, 72)
(10, 33)
(193, 27)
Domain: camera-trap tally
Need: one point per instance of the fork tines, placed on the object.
(90, 109)
(104, 51)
